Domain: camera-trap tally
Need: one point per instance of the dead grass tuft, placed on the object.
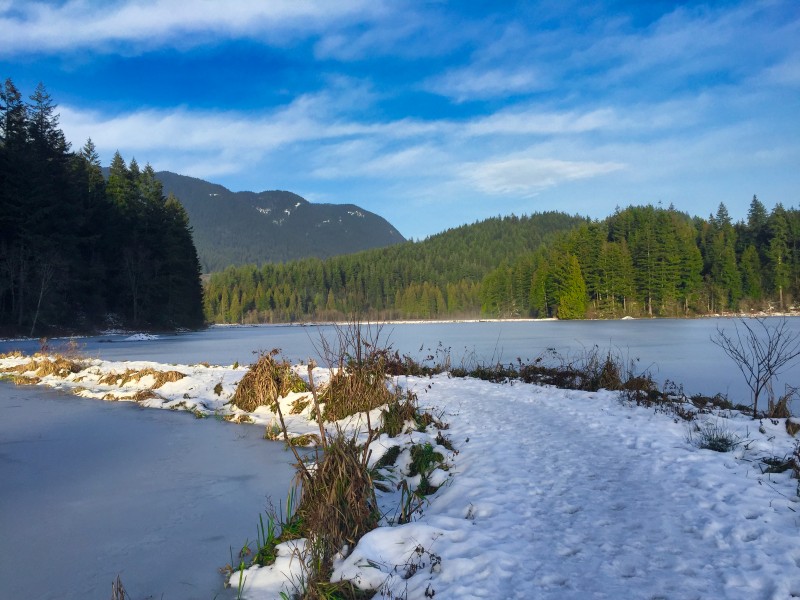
(239, 419)
(792, 427)
(161, 377)
(265, 382)
(299, 405)
(145, 395)
(337, 502)
(31, 365)
(354, 390)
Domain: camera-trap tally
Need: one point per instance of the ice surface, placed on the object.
(90, 490)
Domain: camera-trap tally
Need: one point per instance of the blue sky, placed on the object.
(433, 114)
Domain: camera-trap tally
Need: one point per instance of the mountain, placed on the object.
(236, 228)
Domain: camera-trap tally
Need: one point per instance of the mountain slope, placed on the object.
(434, 278)
(235, 228)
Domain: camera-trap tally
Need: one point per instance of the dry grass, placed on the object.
(161, 377)
(337, 503)
(792, 427)
(265, 382)
(25, 380)
(145, 395)
(31, 365)
(355, 389)
(239, 419)
(299, 405)
(118, 590)
(60, 367)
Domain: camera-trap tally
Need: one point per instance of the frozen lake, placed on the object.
(679, 350)
(93, 489)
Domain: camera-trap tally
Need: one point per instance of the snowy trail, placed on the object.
(571, 495)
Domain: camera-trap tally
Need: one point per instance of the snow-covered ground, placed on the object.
(563, 494)
(551, 494)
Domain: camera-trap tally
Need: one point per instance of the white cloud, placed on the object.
(786, 72)
(39, 26)
(534, 121)
(470, 83)
(527, 176)
(361, 158)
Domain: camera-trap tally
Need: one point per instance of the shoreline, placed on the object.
(157, 334)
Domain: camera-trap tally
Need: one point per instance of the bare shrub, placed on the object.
(265, 382)
(760, 351)
(360, 366)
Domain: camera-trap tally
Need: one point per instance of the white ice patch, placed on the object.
(140, 337)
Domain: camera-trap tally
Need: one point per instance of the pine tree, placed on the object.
(778, 252)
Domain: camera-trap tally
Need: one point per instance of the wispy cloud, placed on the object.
(527, 176)
(534, 121)
(470, 84)
(46, 27)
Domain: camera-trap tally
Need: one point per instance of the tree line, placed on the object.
(438, 277)
(77, 252)
(649, 261)
(640, 261)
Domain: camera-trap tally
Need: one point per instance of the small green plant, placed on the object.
(424, 460)
(398, 412)
(411, 503)
(242, 579)
(266, 542)
(714, 436)
(389, 458)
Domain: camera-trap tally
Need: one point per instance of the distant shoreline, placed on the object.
(407, 322)
(519, 320)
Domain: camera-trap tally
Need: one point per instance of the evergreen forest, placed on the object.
(642, 261)
(76, 252)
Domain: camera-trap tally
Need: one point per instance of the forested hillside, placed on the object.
(239, 228)
(437, 277)
(646, 261)
(641, 261)
(77, 253)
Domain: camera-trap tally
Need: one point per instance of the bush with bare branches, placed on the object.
(761, 351)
